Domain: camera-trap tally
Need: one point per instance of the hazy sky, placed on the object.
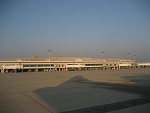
(83, 28)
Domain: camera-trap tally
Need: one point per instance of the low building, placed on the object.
(62, 64)
(144, 65)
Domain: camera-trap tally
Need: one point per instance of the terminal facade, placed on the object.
(65, 64)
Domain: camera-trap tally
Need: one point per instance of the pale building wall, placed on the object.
(63, 63)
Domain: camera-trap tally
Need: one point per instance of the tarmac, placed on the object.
(92, 91)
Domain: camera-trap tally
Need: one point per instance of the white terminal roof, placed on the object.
(80, 59)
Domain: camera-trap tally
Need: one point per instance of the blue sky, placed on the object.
(75, 28)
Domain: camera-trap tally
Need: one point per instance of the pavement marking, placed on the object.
(29, 97)
(141, 90)
(113, 106)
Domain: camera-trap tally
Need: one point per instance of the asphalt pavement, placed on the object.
(95, 91)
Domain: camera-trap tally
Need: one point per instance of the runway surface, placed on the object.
(95, 91)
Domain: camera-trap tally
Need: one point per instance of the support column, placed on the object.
(15, 70)
(2, 71)
(36, 70)
(6, 71)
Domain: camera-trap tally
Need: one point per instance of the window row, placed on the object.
(44, 65)
(93, 64)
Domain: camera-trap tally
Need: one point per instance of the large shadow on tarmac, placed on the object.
(78, 87)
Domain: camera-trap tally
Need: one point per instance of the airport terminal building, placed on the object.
(62, 64)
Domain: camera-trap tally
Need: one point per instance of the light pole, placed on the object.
(102, 55)
(129, 60)
(129, 55)
(49, 53)
(102, 60)
(134, 58)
